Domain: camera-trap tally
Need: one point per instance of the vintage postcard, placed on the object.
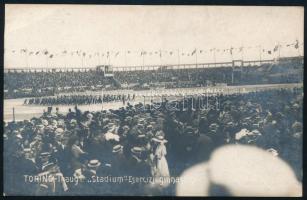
(123, 100)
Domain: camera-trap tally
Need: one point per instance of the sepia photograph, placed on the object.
(144, 100)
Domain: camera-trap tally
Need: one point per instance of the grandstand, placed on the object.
(48, 82)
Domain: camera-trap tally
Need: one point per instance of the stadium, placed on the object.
(190, 127)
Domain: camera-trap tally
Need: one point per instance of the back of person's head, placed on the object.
(240, 170)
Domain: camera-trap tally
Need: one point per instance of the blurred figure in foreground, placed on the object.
(240, 170)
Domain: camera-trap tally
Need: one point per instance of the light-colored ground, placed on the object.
(23, 112)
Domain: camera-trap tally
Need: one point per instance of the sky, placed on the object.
(126, 31)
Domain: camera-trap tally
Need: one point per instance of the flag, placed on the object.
(230, 50)
(193, 52)
(296, 44)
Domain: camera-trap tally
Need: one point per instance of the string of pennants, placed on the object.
(159, 53)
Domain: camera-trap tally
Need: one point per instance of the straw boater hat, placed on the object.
(136, 150)
(94, 163)
(117, 148)
(44, 155)
(141, 136)
(59, 130)
(27, 150)
(73, 121)
(159, 138)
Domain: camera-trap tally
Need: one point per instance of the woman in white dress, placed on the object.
(161, 169)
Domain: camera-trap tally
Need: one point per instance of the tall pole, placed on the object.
(196, 56)
(279, 50)
(214, 57)
(47, 61)
(260, 54)
(13, 114)
(102, 98)
(126, 58)
(232, 67)
(178, 55)
(27, 61)
(160, 57)
(143, 55)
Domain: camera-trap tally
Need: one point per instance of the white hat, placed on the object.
(159, 138)
(94, 163)
(45, 122)
(59, 130)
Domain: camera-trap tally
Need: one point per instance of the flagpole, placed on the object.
(298, 48)
(126, 58)
(232, 65)
(279, 50)
(109, 60)
(27, 61)
(143, 58)
(196, 57)
(13, 114)
(259, 54)
(178, 55)
(160, 57)
(47, 61)
(214, 57)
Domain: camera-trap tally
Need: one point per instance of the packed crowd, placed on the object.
(284, 72)
(137, 142)
(79, 99)
(15, 82)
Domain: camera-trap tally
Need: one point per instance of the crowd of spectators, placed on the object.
(41, 83)
(135, 142)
